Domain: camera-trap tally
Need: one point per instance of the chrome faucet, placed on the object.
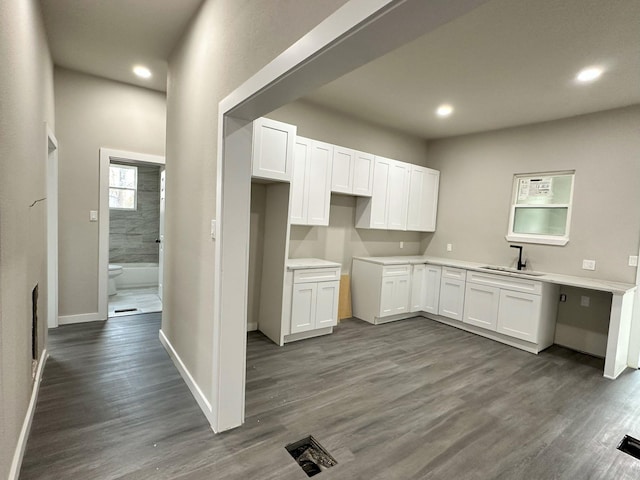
(521, 264)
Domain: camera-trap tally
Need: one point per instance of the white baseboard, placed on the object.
(18, 455)
(81, 318)
(203, 403)
(252, 326)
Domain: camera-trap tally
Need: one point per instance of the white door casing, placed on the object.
(106, 156)
(52, 227)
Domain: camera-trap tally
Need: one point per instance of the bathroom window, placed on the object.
(123, 187)
(541, 208)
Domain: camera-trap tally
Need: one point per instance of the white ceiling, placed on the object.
(107, 37)
(507, 63)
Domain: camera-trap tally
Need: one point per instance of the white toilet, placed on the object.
(114, 271)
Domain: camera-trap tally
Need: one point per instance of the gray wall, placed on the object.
(26, 102)
(91, 113)
(475, 192)
(226, 43)
(340, 241)
(133, 234)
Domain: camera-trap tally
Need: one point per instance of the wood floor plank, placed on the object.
(407, 400)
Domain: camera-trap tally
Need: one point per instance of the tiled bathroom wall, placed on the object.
(133, 234)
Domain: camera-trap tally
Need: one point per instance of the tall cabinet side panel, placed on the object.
(276, 245)
(366, 278)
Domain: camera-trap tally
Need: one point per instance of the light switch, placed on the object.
(401, 244)
(93, 215)
(449, 247)
(633, 260)
(585, 301)
(213, 229)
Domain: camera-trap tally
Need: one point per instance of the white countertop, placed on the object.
(300, 263)
(572, 281)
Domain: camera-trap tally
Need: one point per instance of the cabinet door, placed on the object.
(342, 175)
(299, 203)
(318, 184)
(402, 294)
(381, 172)
(326, 314)
(451, 298)
(519, 315)
(387, 305)
(363, 174)
(481, 305)
(423, 199)
(272, 156)
(417, 288)
(432, 289)
(416, 198)
(398, 196)
(303, 307)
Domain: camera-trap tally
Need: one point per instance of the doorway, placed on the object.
(131, 253)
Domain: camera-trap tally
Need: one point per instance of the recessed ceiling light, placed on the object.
(444, 110)
(142, 72)
(589, 74)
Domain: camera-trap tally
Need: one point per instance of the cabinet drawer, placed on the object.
(396, 270)
(316, 275)
(505, 282)
(454, 273)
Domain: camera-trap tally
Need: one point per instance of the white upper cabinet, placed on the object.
(423, 199)
(398, 196)
(342, 176)
(352, 172)
(387, 207)
(311, 182)
(272, 156)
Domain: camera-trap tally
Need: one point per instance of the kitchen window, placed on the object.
(541, 208)
(123, 187)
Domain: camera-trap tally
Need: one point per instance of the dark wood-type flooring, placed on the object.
(413, 399)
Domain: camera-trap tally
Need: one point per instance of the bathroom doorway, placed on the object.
(131, 233)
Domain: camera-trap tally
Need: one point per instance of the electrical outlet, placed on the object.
(401, 244)
(588, 264)
(633, 260)
(585, 301)
(449, 247)
(563, 297)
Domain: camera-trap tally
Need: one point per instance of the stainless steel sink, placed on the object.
(512, 270)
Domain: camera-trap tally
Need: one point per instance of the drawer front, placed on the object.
(396, 270)
(316, 275)
(454, 273)
(506, 282)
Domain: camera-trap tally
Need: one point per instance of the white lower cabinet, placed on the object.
(481, 305)
(431, 288)
(395, 290)
(314, 299)
(519, 315)
(517, 311)
(418, 287)
(452, 286)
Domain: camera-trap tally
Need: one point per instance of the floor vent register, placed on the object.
(312, 457)
(630, 446)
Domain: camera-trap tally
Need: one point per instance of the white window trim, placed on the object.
(532, 237)
(134, 190)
